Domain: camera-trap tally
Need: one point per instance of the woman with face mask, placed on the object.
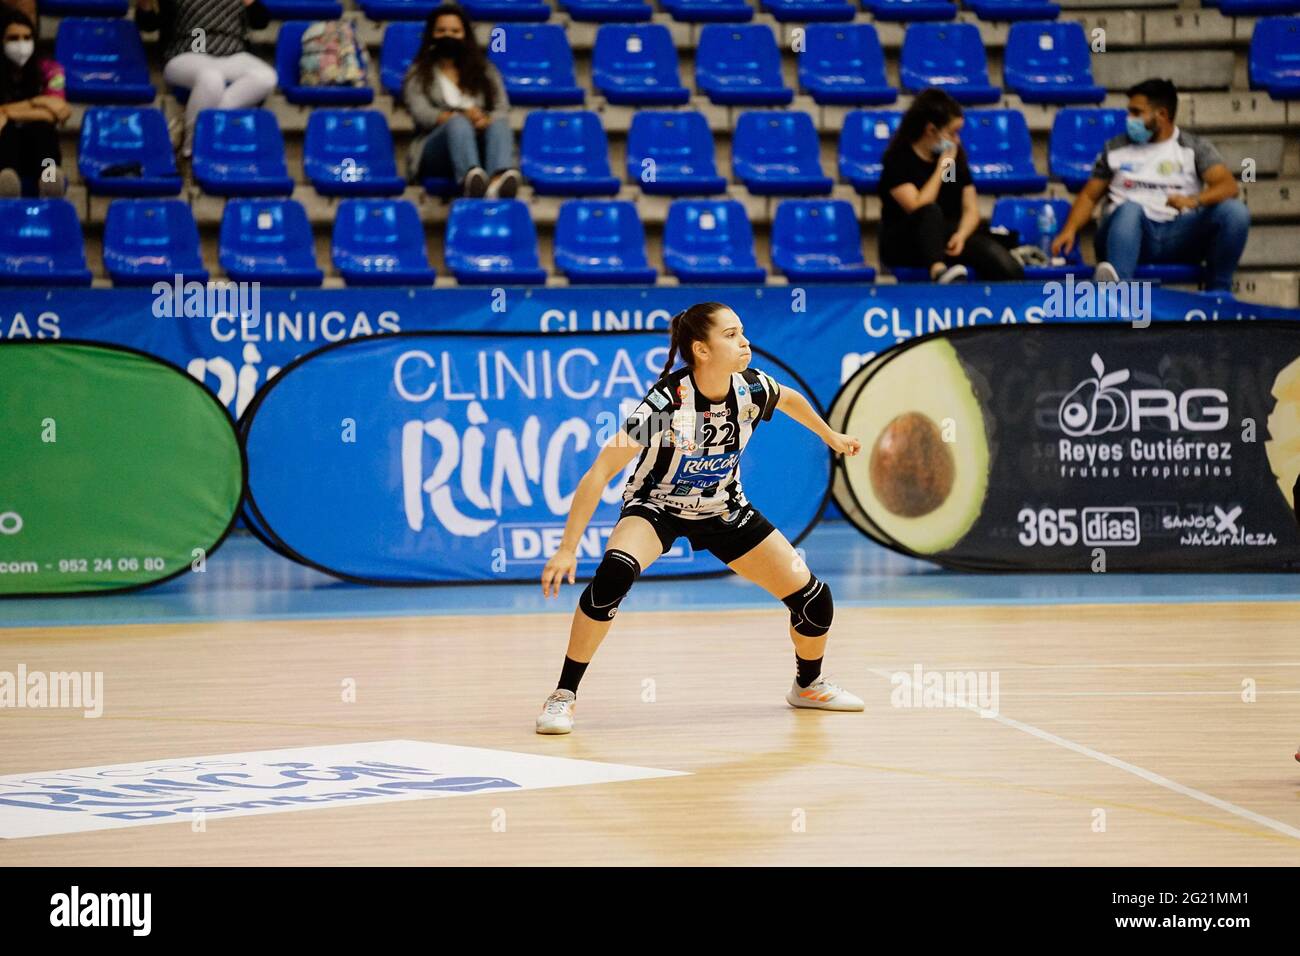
(459, 104)
(929, 214)
(219, 72)
(32, 106)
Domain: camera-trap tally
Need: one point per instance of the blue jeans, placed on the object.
(455, 147)
(1215, 235)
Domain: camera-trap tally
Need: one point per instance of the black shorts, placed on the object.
(728, 538)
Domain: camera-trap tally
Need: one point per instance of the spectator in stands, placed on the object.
(460, 108)
(1170, 197)
(32, 106)
(205, 50)
(929, 215)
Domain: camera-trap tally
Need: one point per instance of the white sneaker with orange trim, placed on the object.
(821, 694)
(557, 713)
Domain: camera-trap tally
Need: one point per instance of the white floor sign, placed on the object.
(277, 781)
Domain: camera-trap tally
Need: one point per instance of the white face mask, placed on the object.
(19, 51)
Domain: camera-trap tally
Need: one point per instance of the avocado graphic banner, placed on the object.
(119, 469)
(1083, 447)
(426, 457)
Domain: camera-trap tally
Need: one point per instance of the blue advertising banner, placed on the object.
(416, 458)
(234, 343)
(235, 337)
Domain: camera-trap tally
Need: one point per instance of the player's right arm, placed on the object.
(611, 461)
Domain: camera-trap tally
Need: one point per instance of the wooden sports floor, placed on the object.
(1132, 732)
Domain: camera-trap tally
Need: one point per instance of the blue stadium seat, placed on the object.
(41, 244)
(288, 52)
(1022, 216)
(845, 64)
(437, 186)
(919, 273)
(679, 147)
(507, 11)
(810, 11)
(1169, 272)
(949, 56)
(599, 241)
(400, 44)
(818, 240)
(1257, 8)
(999, 152)
(380, 242)
(151, 240)
(708, 11)
(492, 241)
(1275, 57)
(103, 61)
(637, 65)
(240, 153)
(777, 153)
(125, 151)
(536, 65)
(608, 11)
(863, 139)
(740, 65)
(1050, 63)
(380, 10)
(303, 9)
(564, 153)
(85, 8)
(710, 240)
(268, 241)
(1078, 134)
(1013, 10)
(350, 153)
(910, 11)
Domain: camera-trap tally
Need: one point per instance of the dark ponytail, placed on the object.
(688, 327)
(931, 105)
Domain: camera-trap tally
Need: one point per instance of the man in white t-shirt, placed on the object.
(1169, 197)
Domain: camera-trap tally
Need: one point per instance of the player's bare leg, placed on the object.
(775, 567)
(635, 537)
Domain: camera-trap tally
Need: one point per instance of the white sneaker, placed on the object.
(957, 273)
(476, 182)
(557, 713)
(1105, 272)
(821, 694)
(504, 186)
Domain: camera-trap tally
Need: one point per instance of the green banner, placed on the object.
(116, 469)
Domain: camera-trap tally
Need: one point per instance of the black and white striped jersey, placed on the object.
(691, 463)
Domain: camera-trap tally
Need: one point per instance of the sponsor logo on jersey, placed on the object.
(657, 400)
(749, 414)
(706, 469)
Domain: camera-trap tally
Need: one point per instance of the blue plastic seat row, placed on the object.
(773, 153)
(736, 64)
(381, 242)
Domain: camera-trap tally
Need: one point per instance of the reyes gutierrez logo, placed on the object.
(1096, 406)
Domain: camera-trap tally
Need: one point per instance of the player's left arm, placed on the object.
(801, 410)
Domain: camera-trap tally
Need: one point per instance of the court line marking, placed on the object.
(1081, 666)
(1049, 695)
(980, 783)
(1118, 764)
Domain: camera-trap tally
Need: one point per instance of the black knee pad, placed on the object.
(614, 577)
(811, 608)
